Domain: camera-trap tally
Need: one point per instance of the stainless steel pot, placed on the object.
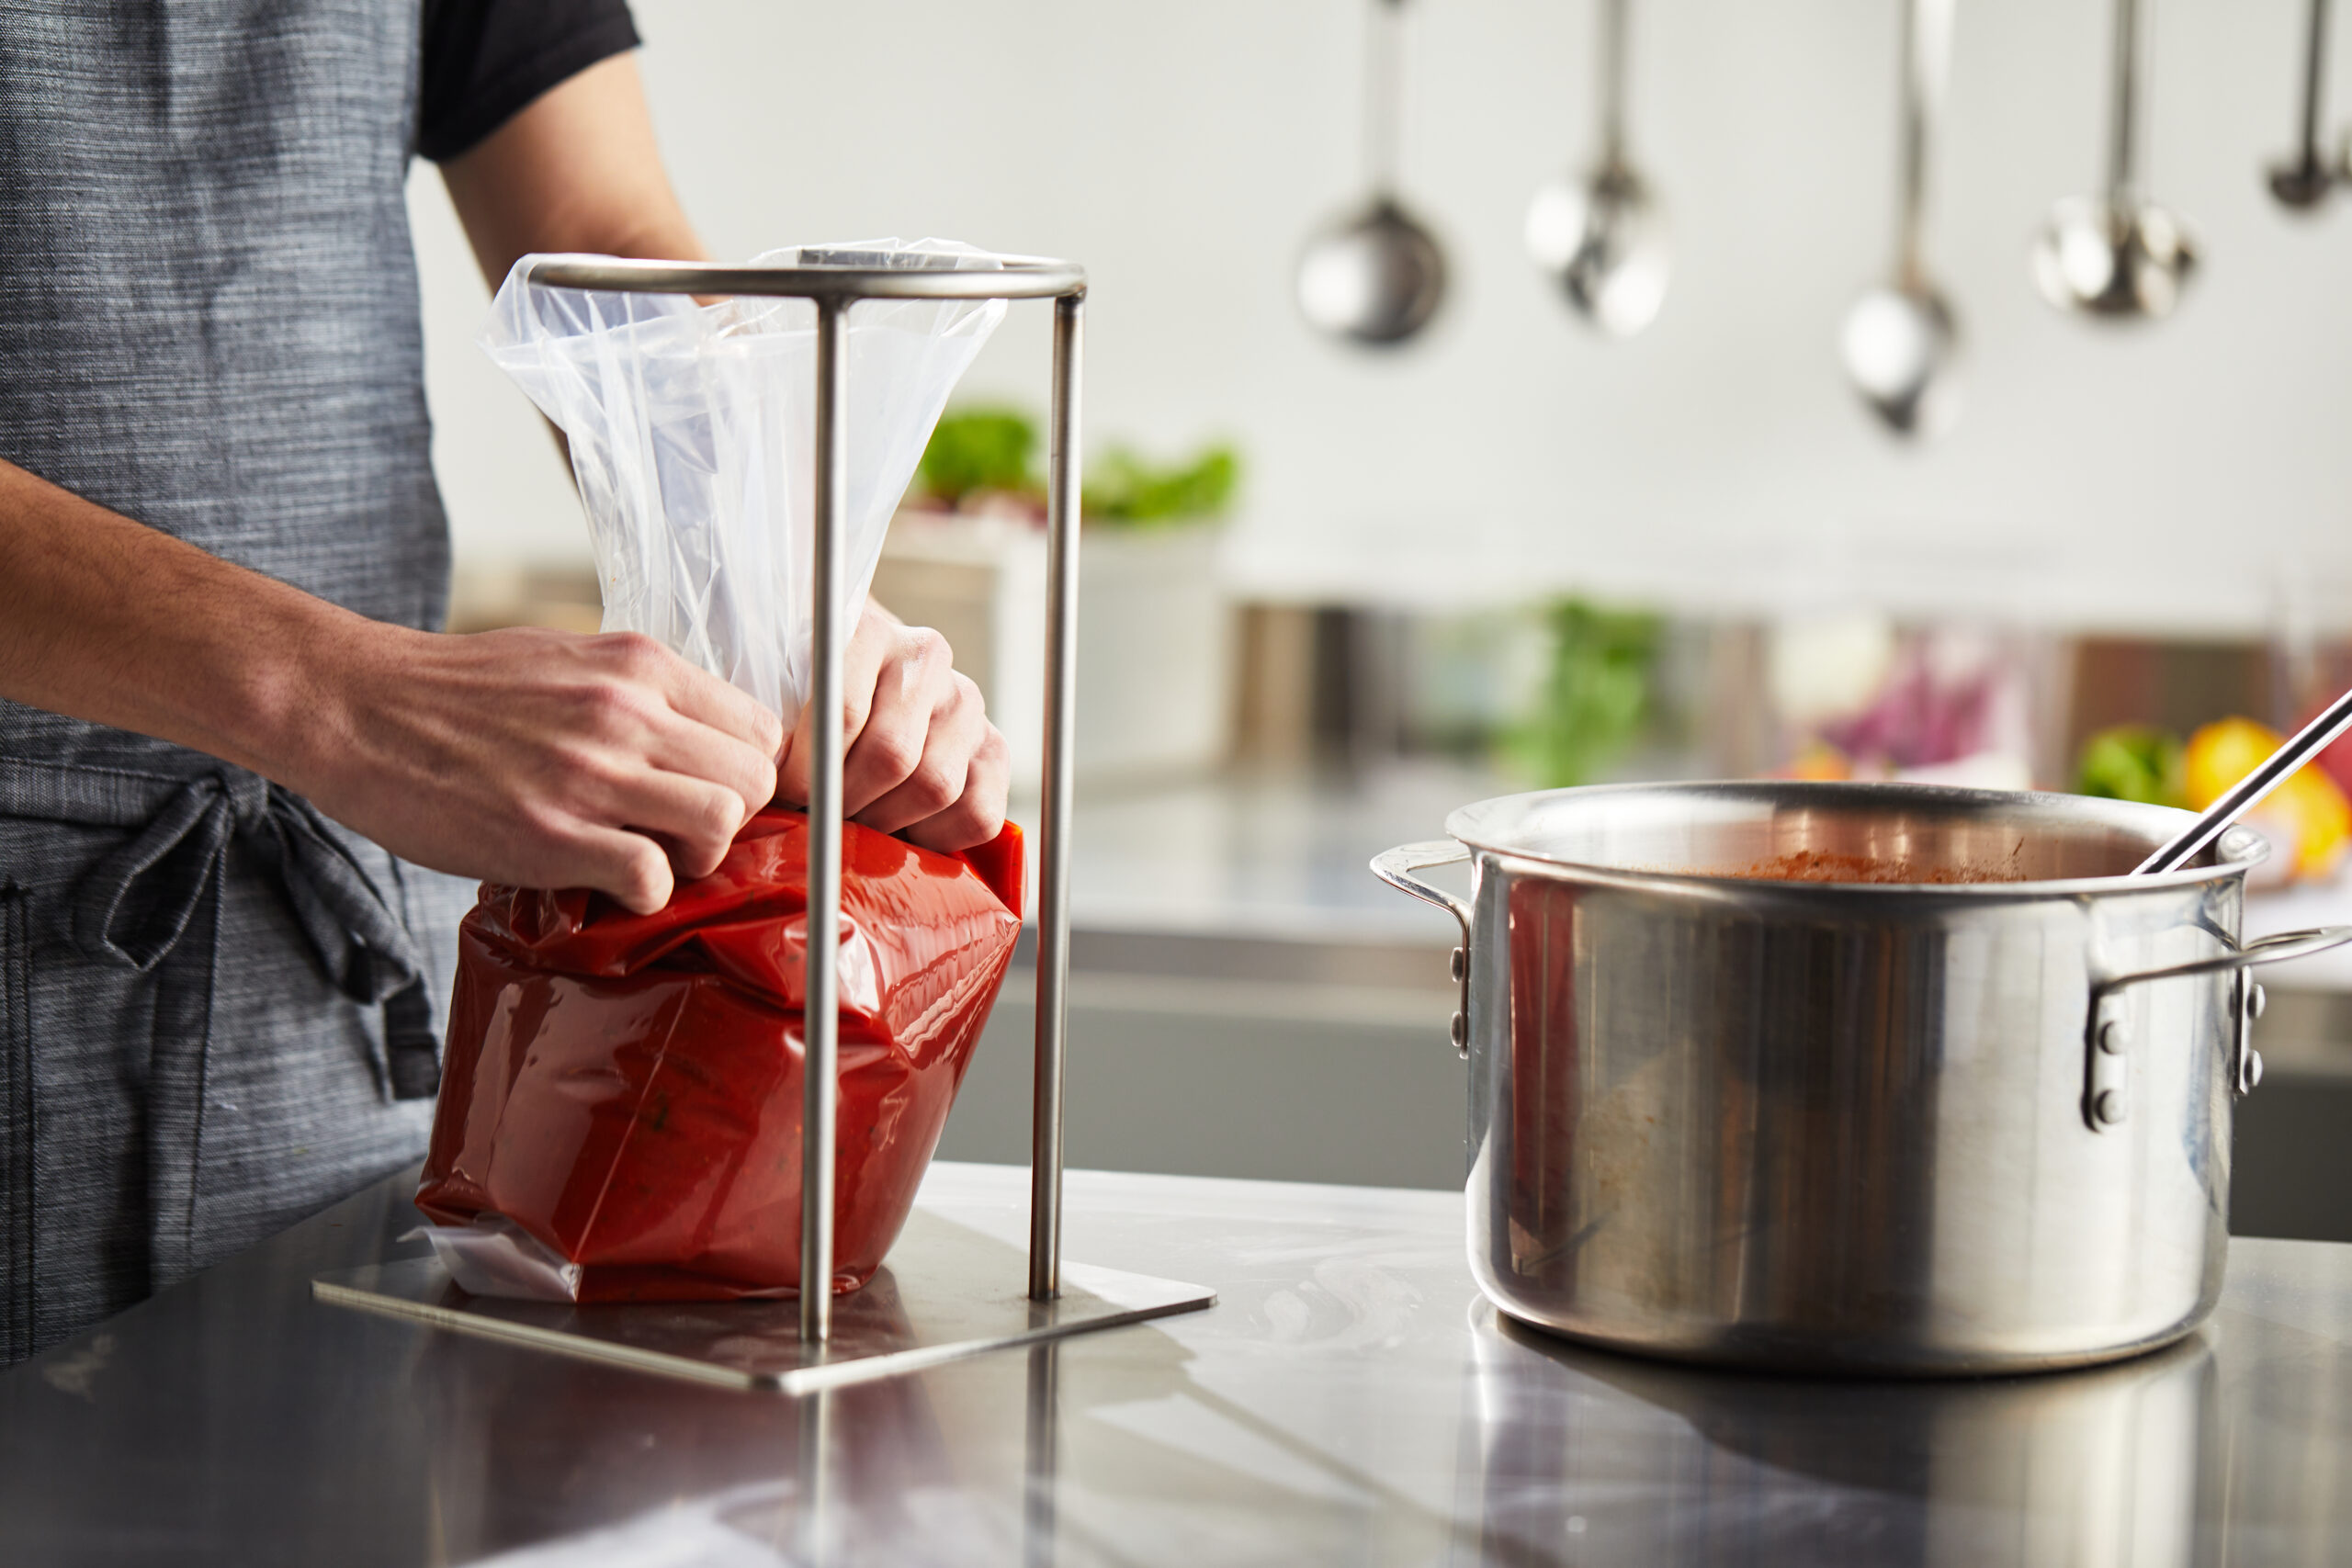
(1924, 1128)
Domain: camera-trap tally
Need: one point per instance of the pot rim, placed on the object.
(2237, 851)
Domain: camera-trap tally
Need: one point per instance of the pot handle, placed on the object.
(2262, 950)
(1395, 867)
(2106, 1073)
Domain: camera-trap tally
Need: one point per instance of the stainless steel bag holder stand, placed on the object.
(947, 1291)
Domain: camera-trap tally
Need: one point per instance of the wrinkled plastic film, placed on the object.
(690, 428)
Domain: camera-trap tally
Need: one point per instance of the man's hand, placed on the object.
(921, 759)
(540, 758)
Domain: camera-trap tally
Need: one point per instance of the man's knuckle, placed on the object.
(719, 814)
(646, 872)
(932, 786)
(968, 823)
(761, 780)
(893, 753)
(586, 775)
(634, 651)
(611, 705)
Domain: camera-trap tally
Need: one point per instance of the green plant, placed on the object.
(1596, 695)
(981, 448)
(1126, 488)
(2133, 762)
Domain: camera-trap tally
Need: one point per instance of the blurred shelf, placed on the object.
(2056, 587)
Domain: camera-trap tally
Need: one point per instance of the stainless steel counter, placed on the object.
(1350, 1400)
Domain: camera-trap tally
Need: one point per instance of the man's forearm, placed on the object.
(545, 759)
(106, 619)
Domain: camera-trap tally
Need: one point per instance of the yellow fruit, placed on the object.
(2323, 822)
(2220, 754)
(1819, 761)
(2309, 811)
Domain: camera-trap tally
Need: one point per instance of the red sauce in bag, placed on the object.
(626, 1088)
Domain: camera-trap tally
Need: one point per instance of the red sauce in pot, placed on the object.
(1819, 865)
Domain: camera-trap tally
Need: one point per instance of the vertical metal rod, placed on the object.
(1053, 855)
(820, 1078)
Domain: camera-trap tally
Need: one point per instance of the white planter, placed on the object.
(1155, 655)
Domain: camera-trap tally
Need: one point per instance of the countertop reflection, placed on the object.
(1350, 1399)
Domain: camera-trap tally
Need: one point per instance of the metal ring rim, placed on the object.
(1021, 277)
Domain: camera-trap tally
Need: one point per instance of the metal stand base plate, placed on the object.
(946, 1292)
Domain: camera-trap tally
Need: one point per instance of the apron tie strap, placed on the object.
(135, 907)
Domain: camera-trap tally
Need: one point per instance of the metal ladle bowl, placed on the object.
(1900, 345)
(2301, 182)
(2118, 259)
(1377, 278)
(1604, 240)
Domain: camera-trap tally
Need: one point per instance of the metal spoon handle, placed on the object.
(2314, 79)
(1384, 97)
(2307, 743)
(2123, 145)
(1612, 82)
(1927, 50)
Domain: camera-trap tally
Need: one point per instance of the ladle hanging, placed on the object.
(1601, 235)
(1900, 339)
(1376, 276)
(2117, 256)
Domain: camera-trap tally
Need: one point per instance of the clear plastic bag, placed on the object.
(492, 1256)
(691, 429)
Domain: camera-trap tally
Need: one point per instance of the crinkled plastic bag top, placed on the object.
(691, 429)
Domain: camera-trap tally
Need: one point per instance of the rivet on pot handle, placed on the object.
(1395, 867)
(2107, 1039)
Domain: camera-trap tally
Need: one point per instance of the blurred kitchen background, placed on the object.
(1333, 589)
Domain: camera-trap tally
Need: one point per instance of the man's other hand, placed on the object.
(920, 757)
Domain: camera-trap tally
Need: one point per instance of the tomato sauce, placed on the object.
(626, 1088)
(1820, 865)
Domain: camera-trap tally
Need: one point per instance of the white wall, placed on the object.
(1183, 151)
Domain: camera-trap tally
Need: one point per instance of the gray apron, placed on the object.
(216, 1007)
